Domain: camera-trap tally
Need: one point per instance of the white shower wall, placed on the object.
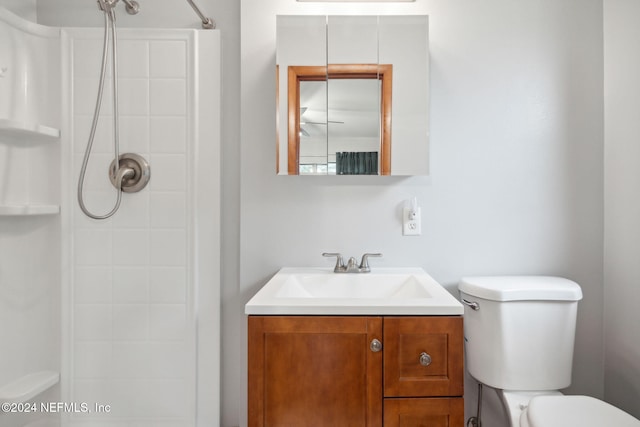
(29, 221)
(138, 284)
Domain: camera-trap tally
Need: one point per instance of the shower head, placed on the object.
(132, 6)
(105, 5)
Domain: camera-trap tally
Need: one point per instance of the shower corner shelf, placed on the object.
(28, 386)
(22, 129)
(29, 210)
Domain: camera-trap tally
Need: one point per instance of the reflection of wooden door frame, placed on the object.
(296, 74)
(277, 119)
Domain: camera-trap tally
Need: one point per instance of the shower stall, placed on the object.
(115, 322)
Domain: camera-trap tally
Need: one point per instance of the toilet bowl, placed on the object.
(574, 411)
(553, 409)
(516, 402)
(519, 334)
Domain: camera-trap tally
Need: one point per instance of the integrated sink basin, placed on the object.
(384, 291)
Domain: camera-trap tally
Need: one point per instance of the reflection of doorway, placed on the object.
(297, 74)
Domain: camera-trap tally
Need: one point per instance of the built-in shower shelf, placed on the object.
(14, 128)
(28, 386)
(29, 210)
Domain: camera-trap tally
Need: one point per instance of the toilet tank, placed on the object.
(519, 334)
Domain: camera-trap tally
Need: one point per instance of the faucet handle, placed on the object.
(339, 262)
(364, 263)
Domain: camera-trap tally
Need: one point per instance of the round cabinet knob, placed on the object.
(376, 345)
(425, 359)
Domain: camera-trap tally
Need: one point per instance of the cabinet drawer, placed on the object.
(423, 356)
(432, 412)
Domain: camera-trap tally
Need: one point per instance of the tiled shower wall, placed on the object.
(132, 327)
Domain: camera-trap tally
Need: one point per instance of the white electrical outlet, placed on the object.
(411, 222)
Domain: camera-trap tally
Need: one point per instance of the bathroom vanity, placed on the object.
(389, 356)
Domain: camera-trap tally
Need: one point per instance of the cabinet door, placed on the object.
(431, 412)
(314, 371)
(423, 356)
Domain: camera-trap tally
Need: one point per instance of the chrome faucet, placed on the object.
(352, 265)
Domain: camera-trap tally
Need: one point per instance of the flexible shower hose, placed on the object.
(121, 173)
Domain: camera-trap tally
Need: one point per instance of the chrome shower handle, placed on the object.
(132, 174)
(123, 174)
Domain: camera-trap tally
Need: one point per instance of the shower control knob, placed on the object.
(135, 173)
(425, 359)
(376, 345)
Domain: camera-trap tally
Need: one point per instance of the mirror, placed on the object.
(352, 95)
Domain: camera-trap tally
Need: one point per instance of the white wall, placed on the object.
(516, 162)
(23, 8)
(622, 203)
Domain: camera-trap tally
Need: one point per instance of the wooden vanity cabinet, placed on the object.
(324, 371)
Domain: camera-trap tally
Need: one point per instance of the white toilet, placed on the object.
(519, 335)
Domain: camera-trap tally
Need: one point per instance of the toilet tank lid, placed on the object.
(521, 288)
(584, 411)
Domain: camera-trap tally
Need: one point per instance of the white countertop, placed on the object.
(384, 291)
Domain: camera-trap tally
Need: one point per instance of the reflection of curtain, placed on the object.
(357, 163)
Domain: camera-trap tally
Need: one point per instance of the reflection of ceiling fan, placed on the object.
(303, 131)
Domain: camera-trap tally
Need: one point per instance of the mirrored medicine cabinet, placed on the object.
(352, 95)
